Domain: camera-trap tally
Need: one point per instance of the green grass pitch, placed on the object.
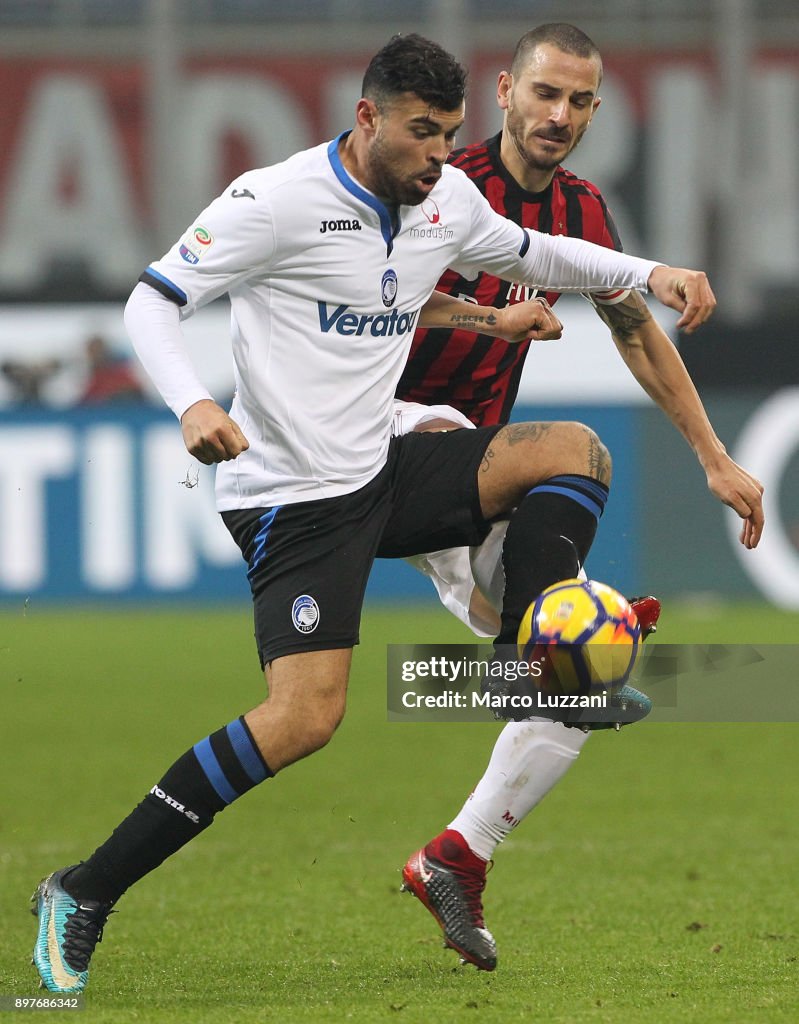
(656, 883)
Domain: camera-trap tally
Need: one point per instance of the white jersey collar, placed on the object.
(389, 225)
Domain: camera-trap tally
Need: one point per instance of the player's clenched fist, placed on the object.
(210, 435)
(533, 319)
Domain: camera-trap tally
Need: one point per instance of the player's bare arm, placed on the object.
(656, 365)
(532, 320)
(625, 318)
(210, 435)
(687, 291)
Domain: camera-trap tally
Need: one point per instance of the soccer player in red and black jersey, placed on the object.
(549, 97)
(519, 172)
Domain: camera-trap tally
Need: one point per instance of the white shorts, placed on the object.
(409, 416)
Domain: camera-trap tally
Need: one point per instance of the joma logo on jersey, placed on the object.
(339, 225)
(378, 325)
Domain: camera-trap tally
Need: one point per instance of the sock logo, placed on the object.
(171, 802)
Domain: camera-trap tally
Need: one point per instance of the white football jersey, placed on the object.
(325, 288)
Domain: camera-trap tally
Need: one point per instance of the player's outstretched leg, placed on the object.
(552, 480)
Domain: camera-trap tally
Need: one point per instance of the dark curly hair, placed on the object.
(414, 64)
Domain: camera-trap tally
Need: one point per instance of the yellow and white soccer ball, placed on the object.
(584, 635)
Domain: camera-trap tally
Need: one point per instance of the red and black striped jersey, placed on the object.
(477, 374)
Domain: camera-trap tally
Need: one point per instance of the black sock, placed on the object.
(548, 538)
(214, 773)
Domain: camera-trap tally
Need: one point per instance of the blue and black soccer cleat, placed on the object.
(626, 706)
(69, 930)
(629, 705)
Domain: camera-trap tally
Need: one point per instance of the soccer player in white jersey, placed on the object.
(328, 258)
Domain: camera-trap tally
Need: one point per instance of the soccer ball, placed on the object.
(584, 636)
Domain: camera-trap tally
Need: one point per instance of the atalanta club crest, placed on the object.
(305, 614)
(388, 288)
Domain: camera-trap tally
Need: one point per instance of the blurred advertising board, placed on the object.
(88, 192)
(105, 504)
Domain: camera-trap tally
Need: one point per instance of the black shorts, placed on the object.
(309, 562)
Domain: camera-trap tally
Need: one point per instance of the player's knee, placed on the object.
(541, 450)
(321, 716)
(527, 454)
(322, 722)
(585, 453)
(600, 463)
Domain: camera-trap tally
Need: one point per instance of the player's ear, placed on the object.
(595, 105)
(366, 115)
(504, 86)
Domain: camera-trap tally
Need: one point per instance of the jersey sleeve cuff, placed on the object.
(166, 287)
(610, 298)
(181, 405)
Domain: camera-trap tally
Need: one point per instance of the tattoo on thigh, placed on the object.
(598, 459)
(514, 433)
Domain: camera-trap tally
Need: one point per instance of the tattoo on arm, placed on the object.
(472, 320)
(626, 317)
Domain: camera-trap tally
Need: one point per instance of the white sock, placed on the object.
(527, 760)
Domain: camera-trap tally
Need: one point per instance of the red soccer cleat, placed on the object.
(449, 880)
(647, 611)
